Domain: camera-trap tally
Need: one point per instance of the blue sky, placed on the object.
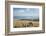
(26, 12)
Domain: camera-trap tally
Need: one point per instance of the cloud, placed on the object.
(20, 11)
(26, 12)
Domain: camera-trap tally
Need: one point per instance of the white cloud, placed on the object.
(23, 14)
(28, 9)
(21, 10)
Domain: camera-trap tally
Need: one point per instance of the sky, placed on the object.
(34, 12)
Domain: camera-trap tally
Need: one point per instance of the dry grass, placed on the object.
(25, 23)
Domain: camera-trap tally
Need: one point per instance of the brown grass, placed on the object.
(25, 23)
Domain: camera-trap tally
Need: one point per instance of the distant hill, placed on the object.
(30, 19)
(26, 17)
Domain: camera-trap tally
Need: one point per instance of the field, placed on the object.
(25, 23)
